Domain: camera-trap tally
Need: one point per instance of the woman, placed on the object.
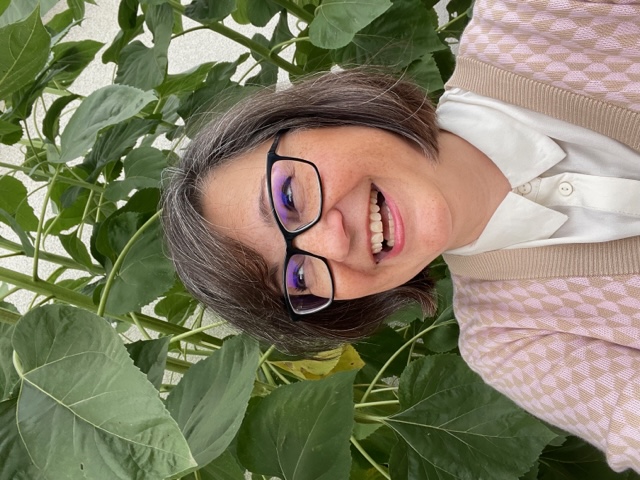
(527, 180)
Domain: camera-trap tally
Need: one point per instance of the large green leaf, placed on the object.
(145, 274)
(15, 462)
(104, 107)
(577, 459)
(71, 58)
(337, 21)
(14, 201)
(51, 122)
(207, 11)
(10, 132)
(150, 356)
(20, 9)
(401, 35)
(83, 406)
(8, 375)
(256, 12)
(210, 400)
(301, 431)
(455, 426)
(184, 82)
(24, 49)
(142, 169)
(225, 467)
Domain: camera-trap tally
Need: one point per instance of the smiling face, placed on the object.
(372, 180)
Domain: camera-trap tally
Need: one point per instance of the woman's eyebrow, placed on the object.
(266, 212)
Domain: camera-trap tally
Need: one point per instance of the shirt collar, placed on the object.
(521, 154)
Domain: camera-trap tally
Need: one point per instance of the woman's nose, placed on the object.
(327, 238)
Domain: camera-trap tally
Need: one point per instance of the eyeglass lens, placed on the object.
(297, 201)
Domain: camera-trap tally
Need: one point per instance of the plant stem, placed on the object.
(375, 404)
(255, 47)
(188, 333)
(294, 9)
(383, 471)
(79, 300)
(43, 212)
(142, 330)
(177, 365)
(51, 257)
(395, 355)
(448, 24)
(278, 374)
(120, 260)
(8, 317)
(264, 357)
(387, 389)
(67, 180)
(267, 375)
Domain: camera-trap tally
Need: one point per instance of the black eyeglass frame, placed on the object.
(291, 250)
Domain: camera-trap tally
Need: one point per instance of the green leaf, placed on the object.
(122, 38)
(208, 11)
(25, 240)
(210, 400)
(4, 4)
(104, 107)
(77, 249)
(60, 23)
(458, 427)
(425, 72)
(18, 10)
(24, 49)
(378, 348)
(84, 407)
(142, 169)
(77, 8)
(140, 66)
(10, 132)
(51, 122)
(15, 462)
(400, 36)
(145, 274)
(577, 459)
(225, 467)
(257, 12)
(150, 356)
(71, 58)
(184, 82)
(8, 375)
(176, 308)
(337, 21)
(301, 431)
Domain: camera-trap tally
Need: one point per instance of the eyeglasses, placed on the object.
(295, 194)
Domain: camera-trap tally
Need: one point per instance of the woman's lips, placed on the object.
(385, 226)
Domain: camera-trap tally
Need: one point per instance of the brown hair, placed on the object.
(231, 278)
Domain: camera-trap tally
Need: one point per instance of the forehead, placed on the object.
(231, 202)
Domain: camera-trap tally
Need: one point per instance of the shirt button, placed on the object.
(524, 189)
(565, 188)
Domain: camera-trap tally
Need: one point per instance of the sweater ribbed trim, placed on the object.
(611, 120)
(618, 257)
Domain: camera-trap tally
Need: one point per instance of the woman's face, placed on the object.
(352, 162)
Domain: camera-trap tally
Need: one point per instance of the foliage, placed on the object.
(79, 400)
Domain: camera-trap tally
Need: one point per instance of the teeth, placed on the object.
(376, 225)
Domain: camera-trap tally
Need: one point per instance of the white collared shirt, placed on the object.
(570, 184)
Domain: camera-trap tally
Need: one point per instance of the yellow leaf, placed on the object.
(341, 359)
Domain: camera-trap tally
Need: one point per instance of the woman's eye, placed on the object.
(298, 278)
(287, 195)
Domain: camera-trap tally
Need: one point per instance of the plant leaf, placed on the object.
(24, 49)
(8, 375)
(84, 407)
(184, 82)
(10, 132)
(77, 8)
(142, 169)
(71, 58)
(77, 249)
(337, 21)
(225, 467)
(577, 459)
(398, 37)
(150, 356)
(145, 274)
(51, 122)
(459, 427)
(257, 12)
(18, 10)
(210, 400)
(15, 462)
(208, 11)
(104, 107)
(301, 431)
